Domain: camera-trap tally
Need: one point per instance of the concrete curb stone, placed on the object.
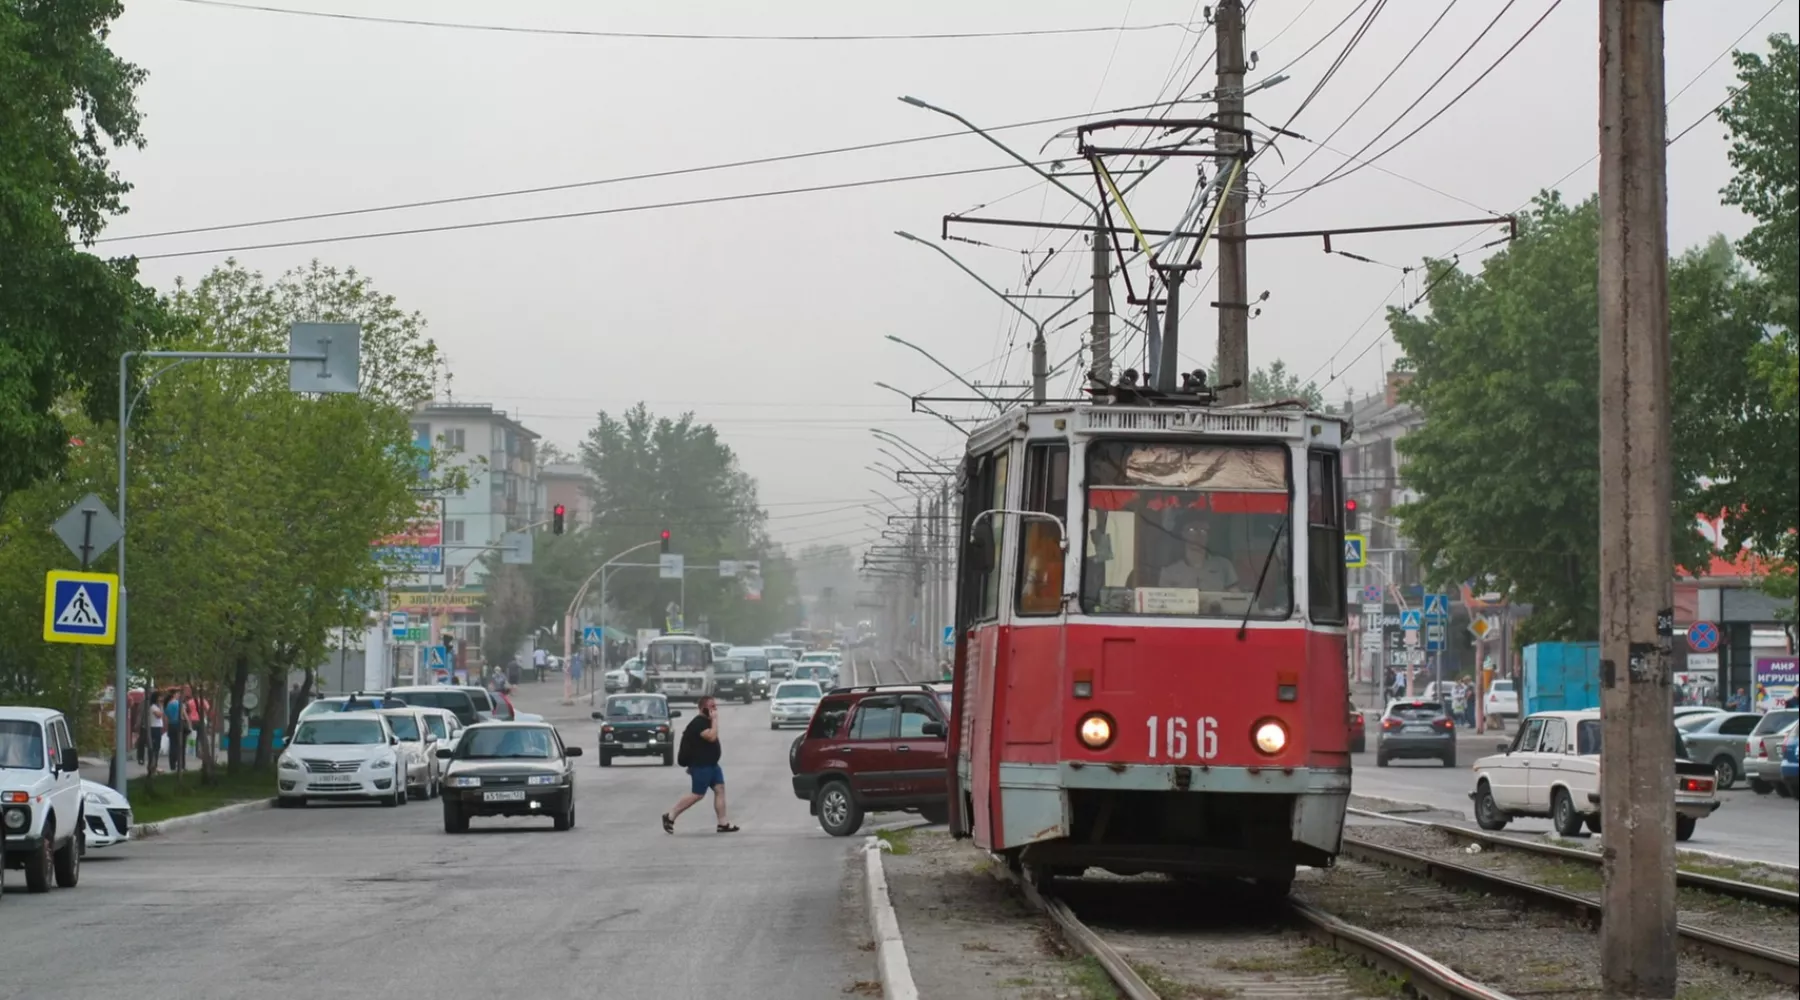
(890, 950)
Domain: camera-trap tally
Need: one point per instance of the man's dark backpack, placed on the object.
(684, 753)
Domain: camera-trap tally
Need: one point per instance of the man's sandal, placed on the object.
(728, 828)
(668, 824)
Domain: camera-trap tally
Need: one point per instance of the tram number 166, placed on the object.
(1174, 737)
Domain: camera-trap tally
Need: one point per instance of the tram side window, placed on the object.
(987, 491)
(1040, 556)
(1324, 538)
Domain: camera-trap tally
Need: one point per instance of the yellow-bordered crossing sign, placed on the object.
(81, 607)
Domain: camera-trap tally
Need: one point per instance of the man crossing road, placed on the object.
(699, 753)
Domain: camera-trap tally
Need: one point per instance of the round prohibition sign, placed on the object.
(1703, 637)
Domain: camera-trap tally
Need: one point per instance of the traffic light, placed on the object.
(665, 541)
(556, 520)
(1351, 520)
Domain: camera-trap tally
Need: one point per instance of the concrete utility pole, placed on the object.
(1100, 336)
(1234, 280)
(1637, 934)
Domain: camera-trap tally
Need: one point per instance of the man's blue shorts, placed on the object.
(706, 777)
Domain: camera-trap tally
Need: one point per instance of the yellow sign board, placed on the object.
(1356, 551)
(81, 607)
(431, 600)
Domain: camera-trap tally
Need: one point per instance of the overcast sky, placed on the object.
(767, 316)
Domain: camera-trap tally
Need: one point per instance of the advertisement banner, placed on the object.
(430, 600)
(1776, 679)
(414, 551)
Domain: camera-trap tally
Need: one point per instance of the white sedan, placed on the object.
(793, 703)
(108, 816)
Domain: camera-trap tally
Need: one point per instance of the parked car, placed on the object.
(442, 723)
(41, 799)
(347, 755)
(457, 700)
(793, 703)
(1502, 700)
(509, 769)
(1552, 768)
(1718, 739)
(1359, 739)
(358, 702)
(1416, 729)
(418, 750)
(636, 725)
(1684, 711)
(108, 816)
(1790, 763)
(873, 749)
(1762, 751)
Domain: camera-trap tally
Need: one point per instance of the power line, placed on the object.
(591, 213)
(602, 181)
(685, 36)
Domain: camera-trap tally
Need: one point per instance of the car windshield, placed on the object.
(479, 696)
(1776, 721)
(1695, 723)
(405, 726)
(637, 708)
(798, 691)
(336, 732)
(21, 744)
(1417, 711)
(1187, 530)
(458, 702)
(729, 665)
(504, 744)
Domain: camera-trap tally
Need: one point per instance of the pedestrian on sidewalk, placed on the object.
(699, 752)
(156, 733)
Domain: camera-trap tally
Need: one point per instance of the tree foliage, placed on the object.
(1276, 384)
(65, 314)
(1507, 376)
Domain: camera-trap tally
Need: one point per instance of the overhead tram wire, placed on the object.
(602, 181)
(590, 213)
(1346, 169)
(684, 36)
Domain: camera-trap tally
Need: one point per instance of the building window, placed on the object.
(453, 532)
(453, 439)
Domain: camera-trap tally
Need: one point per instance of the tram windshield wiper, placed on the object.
(1255, 595)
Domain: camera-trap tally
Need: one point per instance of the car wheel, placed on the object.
(40, 870)
(1568, 822)
(1593, 824)
(1380, 759)
(935, 814)
(1783, 790)
(390, 801)
(564, 820)
(68, 859)
(454, 820)
(1450, 759)
(839, 815)
(1488, 815)
(1684, 827)
(605, 759)
(1760, 786)
(774, 726)
(287, 802)
(1726, 770)
(1360, 746)
(668, 758)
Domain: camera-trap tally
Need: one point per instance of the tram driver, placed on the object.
(1200, 567)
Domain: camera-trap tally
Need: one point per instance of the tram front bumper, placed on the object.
(1035, 800)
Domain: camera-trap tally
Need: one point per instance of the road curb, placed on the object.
(196, 819)
(890, 950)
(908, 824)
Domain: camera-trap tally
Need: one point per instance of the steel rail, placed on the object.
(1750, 892)
(1425, 975)
(1744, 956)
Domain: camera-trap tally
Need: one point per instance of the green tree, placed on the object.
(1276, 384)
(1507, 370)
(65, 314)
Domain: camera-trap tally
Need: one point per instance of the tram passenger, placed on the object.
(1200, 568)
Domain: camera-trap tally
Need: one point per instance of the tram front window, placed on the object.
(1187, 530)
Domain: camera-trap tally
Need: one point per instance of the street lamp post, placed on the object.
(922, 408)
(574, 602)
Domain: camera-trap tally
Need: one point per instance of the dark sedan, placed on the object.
(509, 769)
(1416, 730)
(636, 725)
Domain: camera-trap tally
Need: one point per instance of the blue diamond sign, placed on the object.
(80, 607)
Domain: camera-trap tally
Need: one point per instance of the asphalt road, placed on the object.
(370, 901)
(1756, 827)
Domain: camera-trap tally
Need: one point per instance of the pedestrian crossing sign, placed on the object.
(80, 607)
(1356, 551)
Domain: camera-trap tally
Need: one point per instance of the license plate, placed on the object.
(503, 796)
(1417, 730)
(636, 746)
(334, 780)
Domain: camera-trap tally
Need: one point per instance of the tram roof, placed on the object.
(1088, 420)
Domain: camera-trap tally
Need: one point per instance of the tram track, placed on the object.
(1155, 946)
(1728, 950)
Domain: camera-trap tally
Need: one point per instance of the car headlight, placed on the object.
(383, 764)
(465, 781)
(1270, 736)
(288, 764)
(1095, 730)
(15, 819)
(544, 779)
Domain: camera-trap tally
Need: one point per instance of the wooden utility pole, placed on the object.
(1234, 282)
(1637, 935)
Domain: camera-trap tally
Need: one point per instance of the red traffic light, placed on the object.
(556, 519)
(1349, 504)
(559, 510)
(665, 534)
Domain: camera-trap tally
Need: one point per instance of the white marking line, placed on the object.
(884, 926)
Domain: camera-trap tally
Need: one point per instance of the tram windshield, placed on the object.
(1188, 530)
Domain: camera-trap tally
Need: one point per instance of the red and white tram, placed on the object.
(1150, 645)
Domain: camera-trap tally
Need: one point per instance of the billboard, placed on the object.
(416, 550)
(1776, 679)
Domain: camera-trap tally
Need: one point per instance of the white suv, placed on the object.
(343, 755)
(40, 797)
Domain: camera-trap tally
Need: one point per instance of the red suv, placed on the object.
(873, 749)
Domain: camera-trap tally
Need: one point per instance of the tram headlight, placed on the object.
(1095, 730)
(1270, 736)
